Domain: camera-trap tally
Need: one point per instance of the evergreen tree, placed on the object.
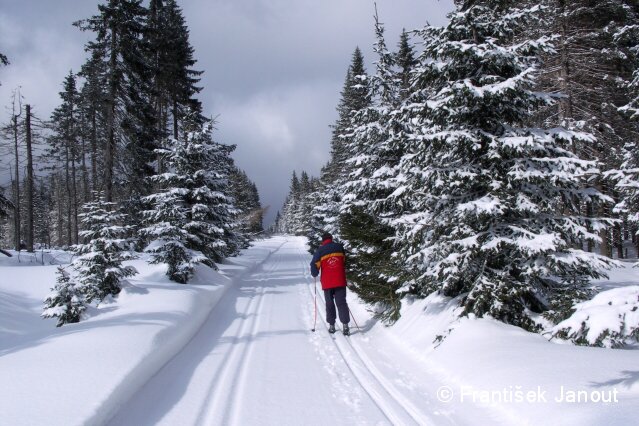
(502, 198)
(65, 302)
(98, 268)
(120, 53)
(97, 272)
(94, 114)
(191, 217)
(376, 145)
(296, 214)
(175, 82)
(328, 197)
(406, 62)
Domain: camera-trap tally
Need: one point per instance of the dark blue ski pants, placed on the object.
(336, 296)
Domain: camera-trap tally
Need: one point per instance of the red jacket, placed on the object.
(329, 258)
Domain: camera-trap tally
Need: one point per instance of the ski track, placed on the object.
(227, 390)
(251, 363)
(396, 408)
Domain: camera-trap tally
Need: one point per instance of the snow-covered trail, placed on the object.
(255, 361)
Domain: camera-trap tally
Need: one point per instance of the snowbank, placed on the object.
(610, 319)
(522, 377)
(81, 373)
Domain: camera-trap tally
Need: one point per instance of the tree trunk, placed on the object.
(175, 119)
(94, 152)
(58, 198)
(29, 181)
(618, 241)
(589, 213)
(109, 154)
(75, 197)
(67, 184)
(16, 193)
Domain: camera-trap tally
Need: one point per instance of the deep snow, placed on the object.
(235, 347)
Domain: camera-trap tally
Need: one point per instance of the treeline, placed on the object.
(294, 217)
(493, 160)
(131, 99)
(128, 138)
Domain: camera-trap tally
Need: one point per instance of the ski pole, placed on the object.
(315, 302)
(352, 316)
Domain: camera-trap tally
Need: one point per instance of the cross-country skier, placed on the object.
(329, 258)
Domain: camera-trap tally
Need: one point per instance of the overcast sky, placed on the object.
(273, 69)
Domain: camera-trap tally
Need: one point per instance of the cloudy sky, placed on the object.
(273, 69)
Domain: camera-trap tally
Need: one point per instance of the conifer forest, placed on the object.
(127, 161)
(303, 212)
(493, 160)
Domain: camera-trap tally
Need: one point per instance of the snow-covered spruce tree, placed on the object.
(610, 319)
(502, 198)
(166, 233)
(376, 142)
(327, 198)
(286, 222)
(296, 214)
(98, 269)
(191, 216)
(291, 221)
(65, 302)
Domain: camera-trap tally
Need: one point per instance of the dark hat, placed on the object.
(326, 236)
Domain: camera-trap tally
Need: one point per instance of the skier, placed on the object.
(329, 258)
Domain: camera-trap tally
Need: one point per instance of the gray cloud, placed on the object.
(273, 68)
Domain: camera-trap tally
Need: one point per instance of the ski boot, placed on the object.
(346, 330)
(331, 328)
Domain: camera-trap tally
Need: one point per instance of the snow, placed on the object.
(611, 317)
(235, 347)
(613, 311)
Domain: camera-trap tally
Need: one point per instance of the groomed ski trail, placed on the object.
(256, 362)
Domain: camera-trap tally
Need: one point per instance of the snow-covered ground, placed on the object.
(236, 347)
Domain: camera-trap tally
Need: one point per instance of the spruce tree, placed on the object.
(94, 115)
(502, 197)
(98, 268)
(171, 56)
(66, 302)
(328, 197)
(121, 54)
(376, 142)
(191, 216)
(405, 60)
